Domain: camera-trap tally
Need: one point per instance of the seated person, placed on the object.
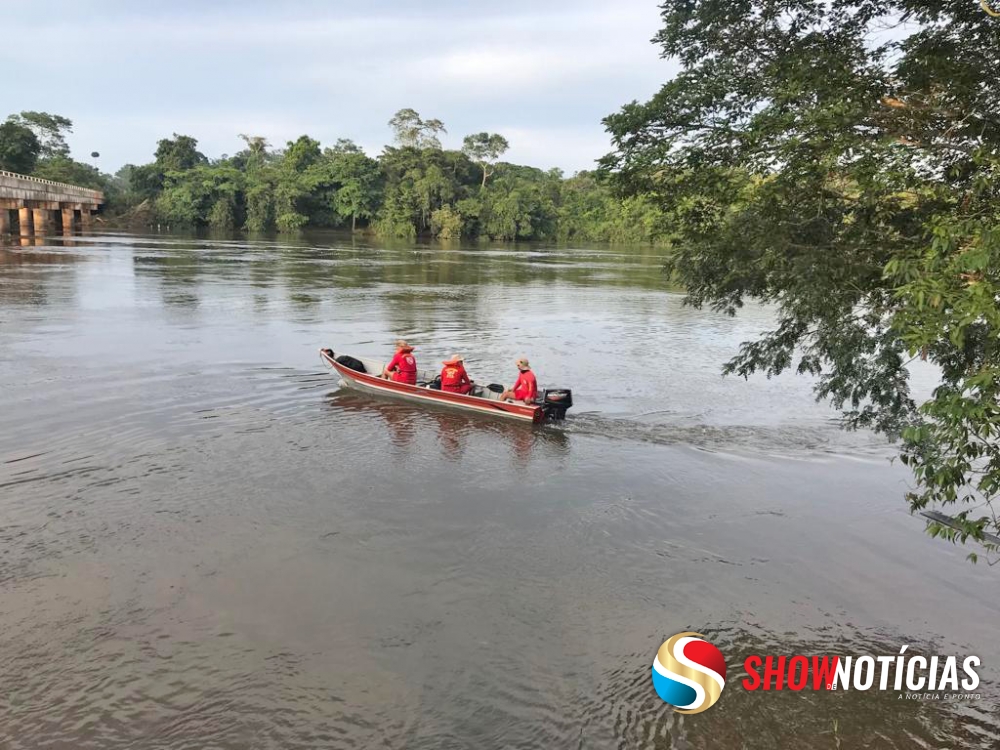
(454, 378)
(402, 368)
(526, 387)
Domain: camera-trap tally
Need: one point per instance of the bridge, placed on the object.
(38, 207)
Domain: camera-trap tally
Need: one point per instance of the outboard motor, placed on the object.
(555, 402)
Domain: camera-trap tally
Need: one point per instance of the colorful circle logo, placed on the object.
(689, 673)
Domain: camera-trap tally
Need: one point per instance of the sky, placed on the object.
(543, 74)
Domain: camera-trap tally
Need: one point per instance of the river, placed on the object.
(206, 543)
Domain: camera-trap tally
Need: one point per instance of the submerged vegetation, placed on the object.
(414, 187)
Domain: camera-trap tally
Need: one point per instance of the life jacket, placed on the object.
(453, 377)
(406, 367)
(526, 387)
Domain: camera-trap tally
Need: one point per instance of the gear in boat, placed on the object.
(365, 373)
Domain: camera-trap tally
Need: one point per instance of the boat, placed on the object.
(362, 373)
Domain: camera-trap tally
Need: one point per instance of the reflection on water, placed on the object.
(27, 275)
(455, 430)
(205, 542)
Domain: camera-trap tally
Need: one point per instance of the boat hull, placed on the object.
(428, 396)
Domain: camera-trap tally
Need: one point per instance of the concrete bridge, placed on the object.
(37, 207)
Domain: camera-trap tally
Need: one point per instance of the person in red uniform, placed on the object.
(403, 366)
(454, 378)
(526, 387)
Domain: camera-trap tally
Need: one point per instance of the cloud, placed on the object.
(217, 133)
(130, 73)
(570, 149)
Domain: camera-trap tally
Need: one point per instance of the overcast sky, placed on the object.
(128, 73)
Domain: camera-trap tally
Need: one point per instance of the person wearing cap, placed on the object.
(403, 366)
(526, 387)
(454, 378)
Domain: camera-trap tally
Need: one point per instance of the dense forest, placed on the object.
(414, 187)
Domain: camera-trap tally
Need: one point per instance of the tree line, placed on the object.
(415, 187)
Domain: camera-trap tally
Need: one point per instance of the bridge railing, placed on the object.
(95, 195)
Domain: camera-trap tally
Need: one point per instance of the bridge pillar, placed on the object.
(38, 200)
(86, 218)
(4, 221)
(24, 221)
(43, 220)
(67, 221)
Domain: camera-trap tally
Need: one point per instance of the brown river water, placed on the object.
(206, 543)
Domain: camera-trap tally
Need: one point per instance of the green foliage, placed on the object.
(410, 130)
(50, 130)
(446, 223)
(519, 205)
(141, 183)
(192, 198)
(297, 181)
(178, 153)
(358, 180)
(417, 183)
(484, 149)
(35, 143)
(64, 169)
(590, 211)
(260, 205)
(19, 147)
(146, 183)
(259, 174)
(223, 213)
(290, 221)
(804, 157)
(415, 188)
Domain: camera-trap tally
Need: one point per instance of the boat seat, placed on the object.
(483, 392)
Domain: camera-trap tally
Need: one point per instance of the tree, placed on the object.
(50, 130)
(19, 147)
(143, 182)
(297, 181)
(485, 149)
(416, 188)
(358, 179)
(345, 146)
(256, 144)
(409, 129)
(255, 154)
(255, 160)
(519, 205)
(446, 223)
(841, 162)
(589, 210)
(64, 169)
(203, 195)
(178, 153)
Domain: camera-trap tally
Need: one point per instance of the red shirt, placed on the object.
(454, 378)
(526, 387)
(405, 366)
